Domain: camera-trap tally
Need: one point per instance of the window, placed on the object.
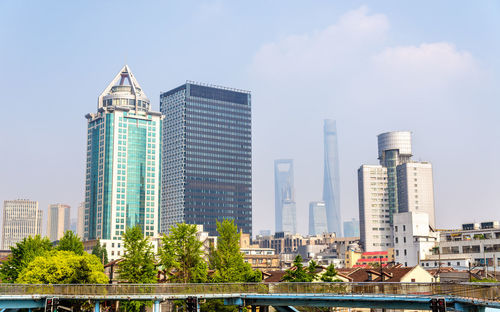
(405, 253)
(404, 239)
(404, 228)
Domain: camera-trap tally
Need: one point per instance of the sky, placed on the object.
(428, 67)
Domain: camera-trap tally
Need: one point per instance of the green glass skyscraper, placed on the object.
(123, 164)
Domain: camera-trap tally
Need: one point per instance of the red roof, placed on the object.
(373, 253)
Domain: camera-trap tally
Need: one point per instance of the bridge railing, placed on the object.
(485, 291)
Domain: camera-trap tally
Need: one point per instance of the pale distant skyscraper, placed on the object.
(58, 221)
(416, 189)
(331, 182)
(284, 196)
(123, 164)
(351, 228)
(317, 218)
(80, 221)
(21, 218)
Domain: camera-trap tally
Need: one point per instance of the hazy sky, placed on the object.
(431, 67)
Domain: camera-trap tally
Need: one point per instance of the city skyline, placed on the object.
(408, 72)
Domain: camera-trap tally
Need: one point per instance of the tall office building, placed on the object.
(394, 148)
(408, 187)
(58, 221)
(317, 218)
(80, 220)
(351, 228)
(416, 189)
(374, 217)
(21, 218)
(284, 197)
(331, 182)
(206, 157)
(122, 187)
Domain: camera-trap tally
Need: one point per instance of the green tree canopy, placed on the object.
(70, 242)
(100, 252)
(182, 255)
(330, 274)
(22, 254)
(297, 273)
(227, 261)
(311, 270)
(63, 267)
(138, 262)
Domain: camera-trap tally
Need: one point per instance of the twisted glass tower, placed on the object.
(331, 183)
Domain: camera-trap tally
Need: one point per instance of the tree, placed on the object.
(22, 254)
(100, 252)
(182, 256)
(297, 273)
(70, 242)
(227, 260)
(329, 275)
(63, 267)
(138, 262)
(311, 270)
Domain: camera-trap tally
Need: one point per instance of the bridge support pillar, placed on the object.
(156, 307)
(97, 307)
(254, 308)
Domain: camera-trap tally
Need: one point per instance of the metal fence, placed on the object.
(484, 291)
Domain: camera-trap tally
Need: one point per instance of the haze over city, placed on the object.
(429, 68)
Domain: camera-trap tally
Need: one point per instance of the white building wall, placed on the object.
(58, 221)
(413, 239)
(80, 222)
(375, 229)
(21, 218)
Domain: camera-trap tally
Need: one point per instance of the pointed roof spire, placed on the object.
(123, 79)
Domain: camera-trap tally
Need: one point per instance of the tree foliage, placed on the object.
(100, 252)
(22, 254)
(63, 267)
(181, 255)
(330, 274)
(138, 262)
(227, 260)
(297, 273)
(70, 242)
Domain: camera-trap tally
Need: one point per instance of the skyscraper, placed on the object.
(317, 218)
(80, 221)
(374, 219)
(122, 187)
(331, 182)
(206, 156)
(284, 197)
(351, 228)
(58, 221)
(397, 185)
(394, 148)
(416, 189)
(21, 218)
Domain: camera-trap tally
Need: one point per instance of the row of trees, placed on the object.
(299, 273)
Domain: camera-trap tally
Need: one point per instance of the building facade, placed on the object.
(374, 212)
(206, 156)
(21, 218)
(331, 181)
(479, 242)
(416, 189)
(284, 197)
(394, 148)
(122, 187)
(80, 220)
(58, 221)
(413, 238)
(317, 218)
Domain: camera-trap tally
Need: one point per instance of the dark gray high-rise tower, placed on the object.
(206, 157)
(331, 183)
(284, 196)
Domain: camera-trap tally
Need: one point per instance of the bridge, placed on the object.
(414, 296)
